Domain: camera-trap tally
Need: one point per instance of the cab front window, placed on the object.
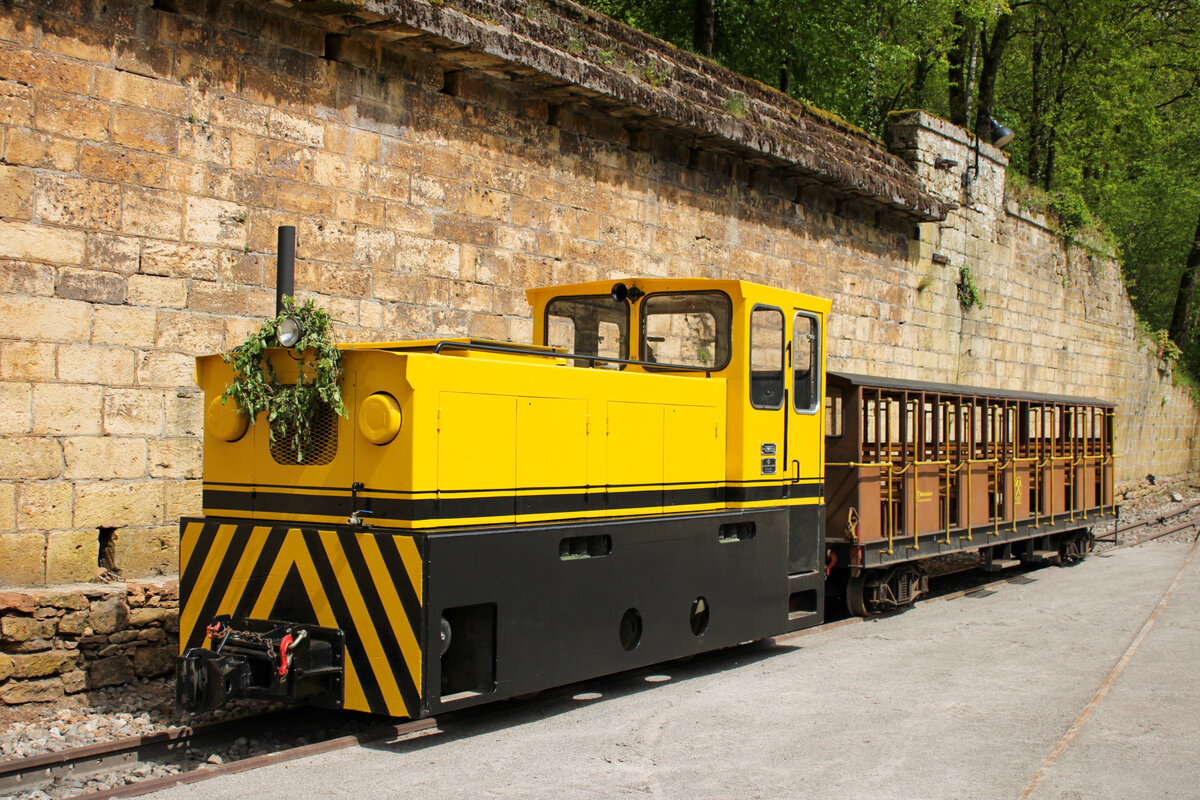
(589, 326)
(687, 329)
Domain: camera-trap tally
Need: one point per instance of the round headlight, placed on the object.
(226, 421)
(379, 418)
(289, 331)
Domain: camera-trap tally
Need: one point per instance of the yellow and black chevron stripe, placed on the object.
(370, 585)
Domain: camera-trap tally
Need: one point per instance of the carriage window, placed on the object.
(834, 419)
(766, 358)
(689, 329)
(590, 326)
(806, 363)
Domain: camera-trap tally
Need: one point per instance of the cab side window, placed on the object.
(806, 363)
(766, 357)
(589, 326)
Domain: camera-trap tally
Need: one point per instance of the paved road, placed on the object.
(964, 698)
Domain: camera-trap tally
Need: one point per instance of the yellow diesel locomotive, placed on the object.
(645, 483)
(491, 520)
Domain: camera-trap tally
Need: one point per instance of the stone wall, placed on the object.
(149, 153)
(76, 638)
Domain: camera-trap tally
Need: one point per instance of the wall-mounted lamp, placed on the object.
(1001, 135)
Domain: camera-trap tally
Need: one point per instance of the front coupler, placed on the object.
(262, 659)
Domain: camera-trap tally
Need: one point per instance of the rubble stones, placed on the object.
(74, 639)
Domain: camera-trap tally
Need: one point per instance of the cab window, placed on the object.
(687, 329)
(806, 363)
(589, 326)
(766, 357)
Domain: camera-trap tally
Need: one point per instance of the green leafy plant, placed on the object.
(968, 293)
(736, 104)
(1166, 349)
(290, 409)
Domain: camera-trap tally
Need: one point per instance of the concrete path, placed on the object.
(964, 698)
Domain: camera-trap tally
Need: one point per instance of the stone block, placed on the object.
(185, 412)
(151, 212)
(111, 253)
(34, 242)
(20, 602)
(175, 458)
(70, 115)
(26, 629)
(133, 412)
(92, 286)
(73, 624)
(110, 672)
(153, 635)
(118, 505)
(71, 556)
(8, 509)
(172, 259)
(104, 457)
(146, 552)
(168, 370)
(20, 277)
(217, 222)
(216, 298)
(39, 665)
(43, 319)
(183, 500)
(32, 149)
(82, 363)
(66, 409)
(123, 325)
(190, 332)
(74, 681)
(150, 662)
(27, 361)
(147, 617)
(109, 615)
(16, 192)
(46, 690)
(6, 666)
(141, 129)
(16, 408)
(78, 202)
(44, 505)
(141, 92)
(30, 457)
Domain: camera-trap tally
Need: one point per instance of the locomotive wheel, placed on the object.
(856, 604)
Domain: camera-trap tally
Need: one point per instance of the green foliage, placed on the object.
(289, 409)
(1164, 348)
(968, 294)
(735, 104)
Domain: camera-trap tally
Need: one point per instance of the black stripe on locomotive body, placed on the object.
(454, 506)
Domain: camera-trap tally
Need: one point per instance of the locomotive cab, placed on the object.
(643, 483)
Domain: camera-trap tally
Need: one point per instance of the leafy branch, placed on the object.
(290, 409)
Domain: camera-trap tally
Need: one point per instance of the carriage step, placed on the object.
(997, 564)
(1045, 555)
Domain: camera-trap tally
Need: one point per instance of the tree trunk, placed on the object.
(993, 51)
(1037, 104)
(705, 19)
(1187, 290)
(957, 57)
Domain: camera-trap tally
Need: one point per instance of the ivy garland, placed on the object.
(290, 409)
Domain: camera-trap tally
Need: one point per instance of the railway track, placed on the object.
(65, 773)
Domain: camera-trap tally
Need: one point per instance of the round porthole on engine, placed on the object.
(631, 629)
(379, 418)
(226, 420)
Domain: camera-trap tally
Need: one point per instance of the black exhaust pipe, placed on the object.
(285, 272)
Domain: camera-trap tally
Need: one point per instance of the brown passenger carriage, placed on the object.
(916, 470)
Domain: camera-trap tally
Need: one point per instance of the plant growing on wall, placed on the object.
(290, 409)
(968, 293)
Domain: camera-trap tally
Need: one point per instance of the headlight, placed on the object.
(379, 418)
(289, 331)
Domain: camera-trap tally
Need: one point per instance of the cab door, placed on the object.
(806, 443)
(768, 413)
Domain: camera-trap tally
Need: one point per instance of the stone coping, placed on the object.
(566, 53)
